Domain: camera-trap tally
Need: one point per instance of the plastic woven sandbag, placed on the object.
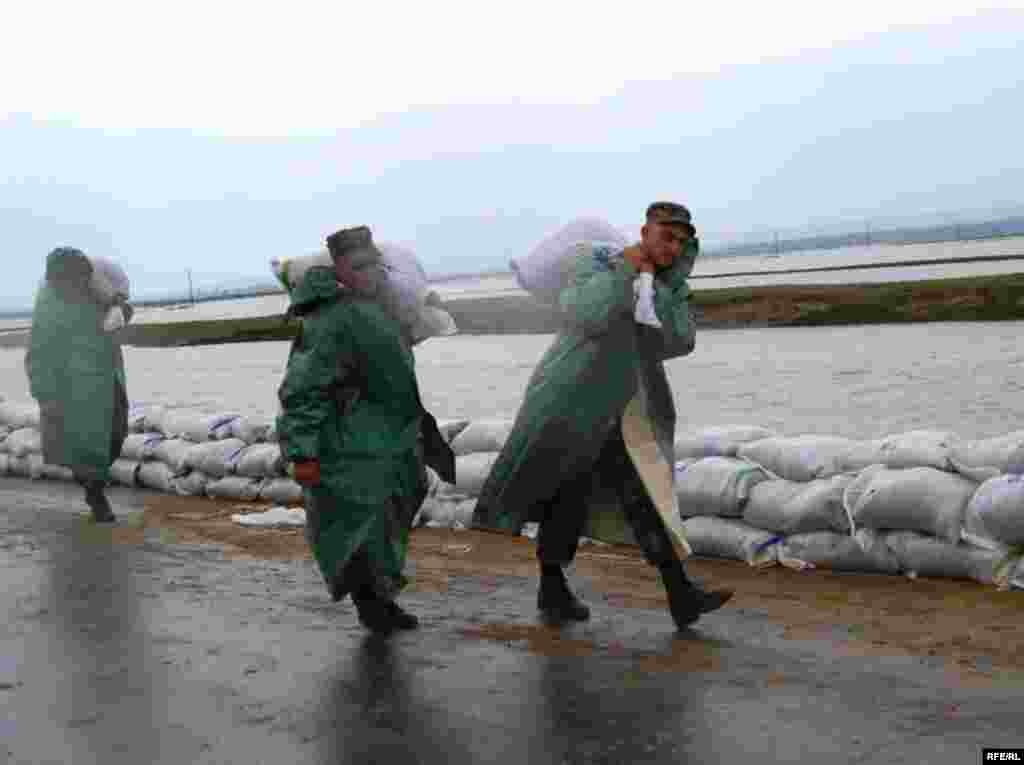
(923, 555)
(718, 441)
(157, 475)
(216, 458)
(790, 507)
(193, 426)
(990, 457)
(252, 430)
(916, 448)
(29, 466)
(487, 435)
(450, 429)
(192, 484)
(800, 458)
(260, 461)
(19, 414)
(173, 452)
(282, 491)
(826, 549)
(140, 446)
(56, 472)
(274, 518)
(915, 499)
(544, 271)
(716, 486)
(995, 513)
(109, 282)
(471, 470)
(23, 442)
(125, 472)
(235, 487)
(145, 418)
(732, 539)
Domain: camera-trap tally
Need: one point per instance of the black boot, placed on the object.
(555, 600)
(373, 612)
(400, 618)
(686, 601)
(97, 501)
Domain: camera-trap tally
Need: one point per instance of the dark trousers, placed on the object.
(565, 516)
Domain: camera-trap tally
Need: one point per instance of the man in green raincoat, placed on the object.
(76, 373)
(354, 430)
(625, 312)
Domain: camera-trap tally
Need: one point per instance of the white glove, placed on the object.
(643, 292)
(114, 319)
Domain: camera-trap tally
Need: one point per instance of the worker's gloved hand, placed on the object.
(643, 292)
(306, 472)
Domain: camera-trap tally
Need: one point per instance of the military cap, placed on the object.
(349, 240)
(671, 213)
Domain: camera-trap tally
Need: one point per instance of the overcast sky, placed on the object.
(214, 136)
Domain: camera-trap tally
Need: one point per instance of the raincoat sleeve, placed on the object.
(321, 360)
(597, 294)
(672, 305)
(45, 358)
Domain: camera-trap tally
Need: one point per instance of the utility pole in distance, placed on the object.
(191, 296)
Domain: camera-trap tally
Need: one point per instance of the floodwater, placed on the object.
(853, 381)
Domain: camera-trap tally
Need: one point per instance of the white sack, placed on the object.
(282, 491)
(732, 539)
(716, 486)
(109, 282)
(19, 415)
(995, 513)
(274, 518)
(719, 441)
(173, 452)
(157, 475)
(140, 446)
(800, 458)
(29, 466)
(252, 430)
(546, 269)
(841, 552)
(790, 507)
(235, 487)
(923, 555)
(487, 435)
(192, 484)
(260, 461)
(916, 448)
(145, 418)
(193, 426)
(450, 429)
(56, 472)
(471, 471)
(125, 472)
(215, 458)
(990, 457)
(915, 499)
(23, 442)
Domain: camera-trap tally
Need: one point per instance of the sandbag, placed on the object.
(23, 442)
(140, 446)
(790, 507)
(235, 487)
(990, 457)
(715, 486)
(260, 461)
(914, 499)
(841, 552)
(173, 452)
(545, 271)
(732, 539)
(193, 426)
(252, 430)
(1015, 579)
(471, 470)
(995, 513)
(799, 458)
(19, 415)
(719, 441)
(450, 429)
(192, 484)
(922, 555)
(125, 472)
(482, 436)
(109, 282)
(157, 475)
(274, 518)
(56, 472)
(916, 448)
(29, 466)
(216, 458)
(282, 491)
(145, 418)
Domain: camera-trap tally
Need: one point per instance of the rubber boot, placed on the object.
(555, 600)
(686, 601)
(373, 612)
(98, 503)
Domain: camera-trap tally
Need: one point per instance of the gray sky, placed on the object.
(215, 136)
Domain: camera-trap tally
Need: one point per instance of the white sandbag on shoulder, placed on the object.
(924, 555)
(252, 430)
(140, 446)
(718, 441)
(798, 458)
(732, 539)
(986, 458)
(840, 552)
(791, 507)
(109, 281)
(995, 514)
(487, 435)
(23, 442)
(916, 448)
(215, 458)
(274, 518)
(192, 425)
(173, 452)
(914, 499)
(157, 475)
(282, 491)
(545, 270)
(17, 415)
(260, 461)
(235, 487)
(471, 470)
(125, 472)
(716, 485)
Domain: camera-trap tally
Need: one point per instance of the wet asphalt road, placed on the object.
(160, 653)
